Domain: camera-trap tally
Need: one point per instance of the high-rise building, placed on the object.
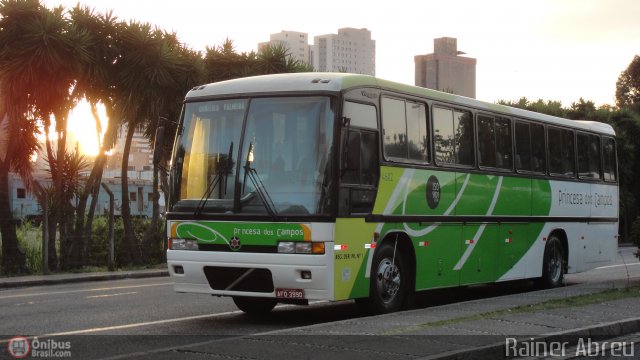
(297, 43)
(445, 70)
(351, 50)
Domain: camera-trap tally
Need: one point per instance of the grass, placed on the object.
(570, 302)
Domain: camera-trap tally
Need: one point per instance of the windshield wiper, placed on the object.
(217, 180)
(260, 189)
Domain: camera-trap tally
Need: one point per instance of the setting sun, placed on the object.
(82, 128)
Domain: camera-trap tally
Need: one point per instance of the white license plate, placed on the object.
(290, 293)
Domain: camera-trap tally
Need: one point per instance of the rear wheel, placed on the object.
(390, 276)
(553, 264)
(254, 305)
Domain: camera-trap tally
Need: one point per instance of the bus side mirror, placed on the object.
(158, 146)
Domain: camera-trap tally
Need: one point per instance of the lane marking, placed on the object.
(109, 295)
(615, 266)
(149, 323)
(83, 290)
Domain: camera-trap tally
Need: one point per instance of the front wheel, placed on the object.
(553, 264)
(389, 280)
(254, 305)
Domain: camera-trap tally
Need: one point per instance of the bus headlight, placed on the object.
(303, 247)
(287, 247)
(183, 244)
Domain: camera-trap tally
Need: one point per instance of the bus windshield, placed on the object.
(283, 167)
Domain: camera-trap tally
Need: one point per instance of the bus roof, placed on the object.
(336, 82)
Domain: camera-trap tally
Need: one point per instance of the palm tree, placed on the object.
(19, 143)
(95, 82)
(38, 56)
(147, 74)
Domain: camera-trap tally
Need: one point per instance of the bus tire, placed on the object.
(389, 279)
(254, 305)
(552, 264)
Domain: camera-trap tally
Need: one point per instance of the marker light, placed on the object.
(183, 244)
(317, 248)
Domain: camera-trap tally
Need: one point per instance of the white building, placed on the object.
(351, 50)
(296, 42)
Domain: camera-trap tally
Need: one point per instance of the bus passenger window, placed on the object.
(394, 126)
(453, 137)
(494, 142)
(588, 156)
(463, 127)
(486, 142)
(523, 146)
(609, 159)
(417, 131)
(538, 154)
(504, 160)
(561, 152)
(594, 156)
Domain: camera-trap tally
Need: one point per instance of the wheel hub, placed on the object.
(388, 279)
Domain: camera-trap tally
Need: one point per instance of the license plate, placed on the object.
(290, 293)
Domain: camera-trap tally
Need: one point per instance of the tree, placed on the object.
(628, 86)
(39, 52)
(18, 143)
(95, 82)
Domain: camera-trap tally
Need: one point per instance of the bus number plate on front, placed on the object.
(290, 293)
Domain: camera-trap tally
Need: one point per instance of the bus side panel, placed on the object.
(480, 257)
(526, 248)
(514, 239)
(423, 192)
(351, 256)
(603, 236)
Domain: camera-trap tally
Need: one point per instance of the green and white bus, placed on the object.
(325, 186)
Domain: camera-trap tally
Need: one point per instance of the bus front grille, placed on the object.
(239, 279)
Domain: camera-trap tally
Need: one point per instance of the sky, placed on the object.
(560, 50)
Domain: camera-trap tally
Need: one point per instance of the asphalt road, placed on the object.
(141, 307)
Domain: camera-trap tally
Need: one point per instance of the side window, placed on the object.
(405, 130)
(394, 127)
(523, 146)
(417, 138)
(453, 137)
(538, 153)
(530, 149)
(561, 151)
(359, 166)
(360, 115)
(588, 156)
(609, 159)
(494, 142)
(486, 142)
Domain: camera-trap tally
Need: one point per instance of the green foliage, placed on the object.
(99, 253)
(628, 86)
(30, 241)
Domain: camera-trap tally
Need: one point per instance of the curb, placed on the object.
(85, 278)
(598, 332)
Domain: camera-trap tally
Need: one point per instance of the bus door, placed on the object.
(358, 172)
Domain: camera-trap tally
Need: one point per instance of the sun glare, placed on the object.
(82, 128)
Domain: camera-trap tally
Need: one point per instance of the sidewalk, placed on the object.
(37, 280)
